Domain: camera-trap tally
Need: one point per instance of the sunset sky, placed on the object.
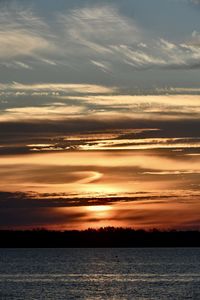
(99, 114)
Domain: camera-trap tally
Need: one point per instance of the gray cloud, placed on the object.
(22, 34)
(124, 42)
(34, 200)
(19, 210)
(15, 136)
(195, 1)
(45, 217)
(78, 41)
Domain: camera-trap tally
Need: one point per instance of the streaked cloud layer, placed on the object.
(99, 114)
(75, 39)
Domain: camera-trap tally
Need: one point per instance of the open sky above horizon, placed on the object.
(100, 114)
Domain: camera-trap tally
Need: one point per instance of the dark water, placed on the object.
(99, 274)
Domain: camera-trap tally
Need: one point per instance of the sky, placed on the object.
(99, 114)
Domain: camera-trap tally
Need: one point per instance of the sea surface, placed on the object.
(100, 274)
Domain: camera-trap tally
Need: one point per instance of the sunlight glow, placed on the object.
(99, 208)
(99, 211)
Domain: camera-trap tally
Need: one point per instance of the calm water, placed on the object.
(99, 274)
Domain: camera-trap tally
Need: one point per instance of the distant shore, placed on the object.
(103, 237)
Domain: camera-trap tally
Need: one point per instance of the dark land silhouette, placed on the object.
(103, 237)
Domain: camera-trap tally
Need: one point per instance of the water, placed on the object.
(99, 274)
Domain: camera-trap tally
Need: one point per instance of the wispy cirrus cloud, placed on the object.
(77, 38)
(86, 26)
(22, 34)
(125, 42)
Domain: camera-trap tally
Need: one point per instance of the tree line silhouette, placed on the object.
(102, 237)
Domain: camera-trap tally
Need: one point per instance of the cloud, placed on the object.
(147, 101)
(22, 34)
(102, 65)
(41, 113)
(76, 39)
(63, 133)
(141, 144)
(159, 54)
(124, 43)
(62, 101)
(86, 26)
(31, 200)
(178, 90)
(56, 88)
(99, 160)
(16, 65)
(195, 1)
(45, 217)
(141, 210)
